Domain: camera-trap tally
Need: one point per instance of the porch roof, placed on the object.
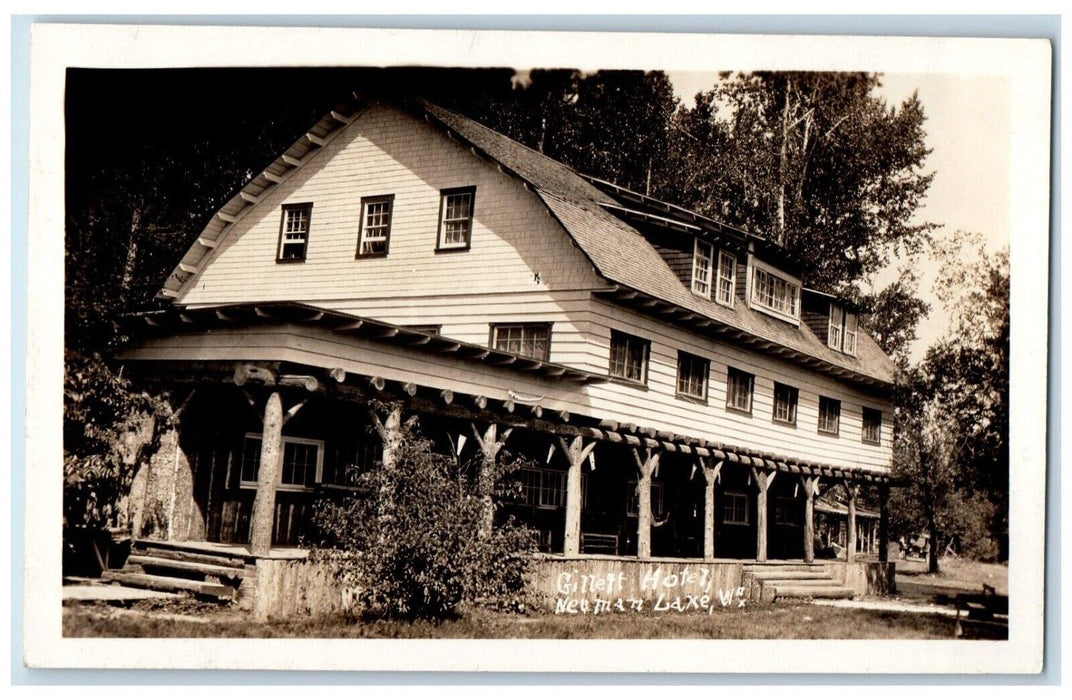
(236, 315)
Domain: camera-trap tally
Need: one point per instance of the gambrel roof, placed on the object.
(591, 213)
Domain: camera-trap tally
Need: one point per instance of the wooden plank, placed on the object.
(167, 583)
(177, 564)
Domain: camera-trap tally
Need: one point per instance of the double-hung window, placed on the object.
(456, 218)
(841, 335)
(702, 260)
(527, 339)
(726, 279)
(829, 415)
(301, 466)
(629, 357)
(294, 232)
(872, 428)
(375, 228)
(785, 404)
(739, 386)
(692, 376)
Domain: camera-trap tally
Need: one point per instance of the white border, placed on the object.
(1024, 63)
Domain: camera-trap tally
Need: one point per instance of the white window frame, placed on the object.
(842, 329)
(444, 208)
(280, 486)
(735, 496)
(851, 325)
(363, 236)
(728, 298)
(630, 340)
(835, 326)
(703, 260)
(288, 237)
(756, 267)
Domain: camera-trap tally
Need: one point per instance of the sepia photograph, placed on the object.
(537, 348)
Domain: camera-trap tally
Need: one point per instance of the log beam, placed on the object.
(851, 491)
(763, 481)
(883, 523)
(811, 485)
(490, 441)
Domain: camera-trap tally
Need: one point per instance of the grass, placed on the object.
(954, 576)
(781, 621)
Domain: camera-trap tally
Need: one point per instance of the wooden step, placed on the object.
(181, 565)
(791, 575)
(168, 583)
(797, 591)
(152, 550)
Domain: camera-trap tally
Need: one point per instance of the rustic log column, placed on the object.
(710, 477)
(646, 465)
(883, 523)
(490, 443)
(577, 452)
(763, 481)
(263, 519)
(810, 484)
(850, 535)
(390, 432)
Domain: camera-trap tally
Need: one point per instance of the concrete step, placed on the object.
(797, 591)
(763, 568)
(801, 582)
(186, 567)
(171, 584)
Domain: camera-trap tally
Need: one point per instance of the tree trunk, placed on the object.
(130, 265)
(783, 154)
(263, 518)
(932, 547)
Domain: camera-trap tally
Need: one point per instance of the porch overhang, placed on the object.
(241, 315)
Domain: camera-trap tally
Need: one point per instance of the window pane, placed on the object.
(739, 390)
(727, 273)
(829, 415)
(530, 340)
(701, 268)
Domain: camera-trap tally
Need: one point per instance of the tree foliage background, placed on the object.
(817, 161)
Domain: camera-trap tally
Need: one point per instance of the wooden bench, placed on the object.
(986, 615)
(596, 543)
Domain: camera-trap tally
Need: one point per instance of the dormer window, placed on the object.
(702, 257)
(773, 292)
(841, 335)
(727, 278)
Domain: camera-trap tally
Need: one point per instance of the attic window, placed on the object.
(774, 293)
(375, 226)
(456, 218)
(841, 335)
(727, 278)
(294, 232)
(702, 257)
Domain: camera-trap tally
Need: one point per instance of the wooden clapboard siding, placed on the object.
(387, 151)
(655, 406)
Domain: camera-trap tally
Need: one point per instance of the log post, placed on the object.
(490, 443)
(263, 518)
(577, 452)
(763, 480)
(710, 477)
(390, 434)
(810, 483)
(883, 523)
(850, 535)
(646, 465)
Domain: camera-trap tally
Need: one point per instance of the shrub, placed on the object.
(408, 542)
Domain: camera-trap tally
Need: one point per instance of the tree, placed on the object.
(892, 315)
(816, 162)
(953, 419)
(411, 539)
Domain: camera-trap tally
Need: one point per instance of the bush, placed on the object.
(408, 543)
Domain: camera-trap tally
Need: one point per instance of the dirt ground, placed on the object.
(919, 593)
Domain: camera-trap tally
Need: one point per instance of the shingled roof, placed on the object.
(622, 255)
